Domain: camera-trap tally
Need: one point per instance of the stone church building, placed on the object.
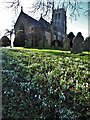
(40, 33)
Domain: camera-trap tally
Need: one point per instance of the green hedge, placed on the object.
(43, 85)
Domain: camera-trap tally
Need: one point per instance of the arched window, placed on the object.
(21, 27)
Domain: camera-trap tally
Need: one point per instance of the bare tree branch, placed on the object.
(14, 4)
(9, 32)
(46, 6)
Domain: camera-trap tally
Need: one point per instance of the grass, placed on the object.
(85, 55)
(46, 83)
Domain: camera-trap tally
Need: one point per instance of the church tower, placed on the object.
(59, 21)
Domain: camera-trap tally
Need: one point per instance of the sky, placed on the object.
(8, 18)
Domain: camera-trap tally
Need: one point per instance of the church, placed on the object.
(40, 33)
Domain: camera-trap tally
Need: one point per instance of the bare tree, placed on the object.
(47, 6)
(9, 32)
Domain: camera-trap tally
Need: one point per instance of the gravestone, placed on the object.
(66, 43)
(71, 36)
(77, 43)
(86, 44)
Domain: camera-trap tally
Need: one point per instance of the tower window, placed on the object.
(55, 16)
(58, 15)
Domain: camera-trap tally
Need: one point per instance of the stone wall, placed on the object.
(48, 38)
(34, 35)
(21, 20)
(59, 20)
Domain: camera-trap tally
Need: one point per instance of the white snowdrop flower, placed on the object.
(45, 98)
(42, 103)
(39, 96)
(86, 84)
(49, 106)
(28, 89)
(41, 117)
(55, 90)
(49, 101)
(55, 105)
(5, 92)
(35, 95)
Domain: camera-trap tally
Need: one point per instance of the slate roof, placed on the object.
(46, 24)
(34, 22)
(31, 20)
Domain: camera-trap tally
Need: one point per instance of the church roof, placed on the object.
(34, 22)
(46, 24)
(44, 21)
(31, 20)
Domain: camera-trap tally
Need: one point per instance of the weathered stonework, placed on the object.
(40, 33)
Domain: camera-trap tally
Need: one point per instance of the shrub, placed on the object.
(20, 38)
(5, 41)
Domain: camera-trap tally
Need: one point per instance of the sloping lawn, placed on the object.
(45, 84)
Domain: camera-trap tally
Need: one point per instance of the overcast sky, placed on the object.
(7, 16)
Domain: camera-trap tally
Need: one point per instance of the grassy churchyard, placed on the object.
(40, 84)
